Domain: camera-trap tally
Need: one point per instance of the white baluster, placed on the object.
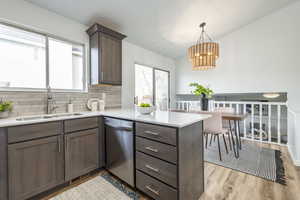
(245, 130)
(278, 124)
(252, 121)
(269, 122)
(260, 121)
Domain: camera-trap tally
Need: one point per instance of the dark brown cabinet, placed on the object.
(35, 166)
(81, 153)
(105, 55)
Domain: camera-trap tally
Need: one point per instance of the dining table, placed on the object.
(236, 118)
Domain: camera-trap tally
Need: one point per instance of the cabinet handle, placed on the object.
(152, 190)
(152, 133)
(58, 140)
(152, 168)
(66, 143)
(151, 149)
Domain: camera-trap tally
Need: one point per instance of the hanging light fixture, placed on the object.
(204, 53)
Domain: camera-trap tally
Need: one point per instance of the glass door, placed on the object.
(161, 89)
(143, 85)
(152, 86)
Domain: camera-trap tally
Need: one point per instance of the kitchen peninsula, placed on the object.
(159, 154)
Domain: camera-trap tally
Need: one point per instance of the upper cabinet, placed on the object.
(105, 55)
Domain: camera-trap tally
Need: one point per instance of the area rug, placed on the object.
(104, 187)
(254, 160)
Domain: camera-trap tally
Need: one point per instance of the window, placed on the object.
(22, 59)
(152, 86)
(24, 64)
(65, 65)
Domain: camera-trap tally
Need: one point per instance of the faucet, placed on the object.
(50, 102)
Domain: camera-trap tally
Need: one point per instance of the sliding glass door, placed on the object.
(161, 89)
(152, 86)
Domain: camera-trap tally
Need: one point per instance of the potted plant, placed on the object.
(5, 108)
(204, 92)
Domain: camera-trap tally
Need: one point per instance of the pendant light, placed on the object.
(204, 53)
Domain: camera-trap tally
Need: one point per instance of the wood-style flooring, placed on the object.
(226, 184)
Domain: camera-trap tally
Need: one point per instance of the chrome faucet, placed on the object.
(51, 107)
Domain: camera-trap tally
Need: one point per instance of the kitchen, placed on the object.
(116, 100)
(52, 138)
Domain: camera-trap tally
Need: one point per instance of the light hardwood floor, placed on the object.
(226, 184)
(223, 183)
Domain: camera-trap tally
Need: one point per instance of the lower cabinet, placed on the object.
(81, 153)
(35, 167)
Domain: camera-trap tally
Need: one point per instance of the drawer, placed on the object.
(33, 131)
(159, 150)
(157, 168)
(158, 133)
(80, 124)
(154, 188)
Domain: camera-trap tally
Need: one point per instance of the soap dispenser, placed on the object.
(70, 106)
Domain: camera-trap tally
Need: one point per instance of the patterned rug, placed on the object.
(258, 161)
(104, 187)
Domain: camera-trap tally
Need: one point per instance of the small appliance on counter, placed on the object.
(95, 104)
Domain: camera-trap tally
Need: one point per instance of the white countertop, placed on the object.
(167, 118)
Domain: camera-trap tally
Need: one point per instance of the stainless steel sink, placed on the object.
(48, 116)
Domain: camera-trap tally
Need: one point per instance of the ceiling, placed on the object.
(168, 27)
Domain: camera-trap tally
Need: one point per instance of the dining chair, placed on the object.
(226, 123)
(213, 126)
(234, 128)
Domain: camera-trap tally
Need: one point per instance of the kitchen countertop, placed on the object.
(167, 118)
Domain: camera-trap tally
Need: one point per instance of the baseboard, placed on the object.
(295, 161)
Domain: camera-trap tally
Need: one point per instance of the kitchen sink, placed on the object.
(48, 116)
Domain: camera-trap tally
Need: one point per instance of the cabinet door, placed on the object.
(35, 166)
(111, 59)
(82, 153)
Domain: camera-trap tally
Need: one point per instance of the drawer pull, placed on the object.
(152, 133)
(152, 190)
(151, 149)
(152, 168)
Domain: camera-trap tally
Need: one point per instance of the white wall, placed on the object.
(26, 14)
(260, 57)
(134, 54)
(30, 16)
(294, 136)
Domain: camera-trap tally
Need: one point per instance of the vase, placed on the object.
(4, 114)
(204, 103)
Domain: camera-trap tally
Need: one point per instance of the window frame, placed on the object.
(154, 82)
(55, 37)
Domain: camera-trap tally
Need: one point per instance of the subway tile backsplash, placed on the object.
(34, 103)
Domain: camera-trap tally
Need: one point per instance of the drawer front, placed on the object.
(158, 133)
(159, 150)
(154, 188)
(159, 169)
(80, 124)
(33, 131)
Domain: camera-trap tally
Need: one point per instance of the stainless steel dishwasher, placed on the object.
(120, 148)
